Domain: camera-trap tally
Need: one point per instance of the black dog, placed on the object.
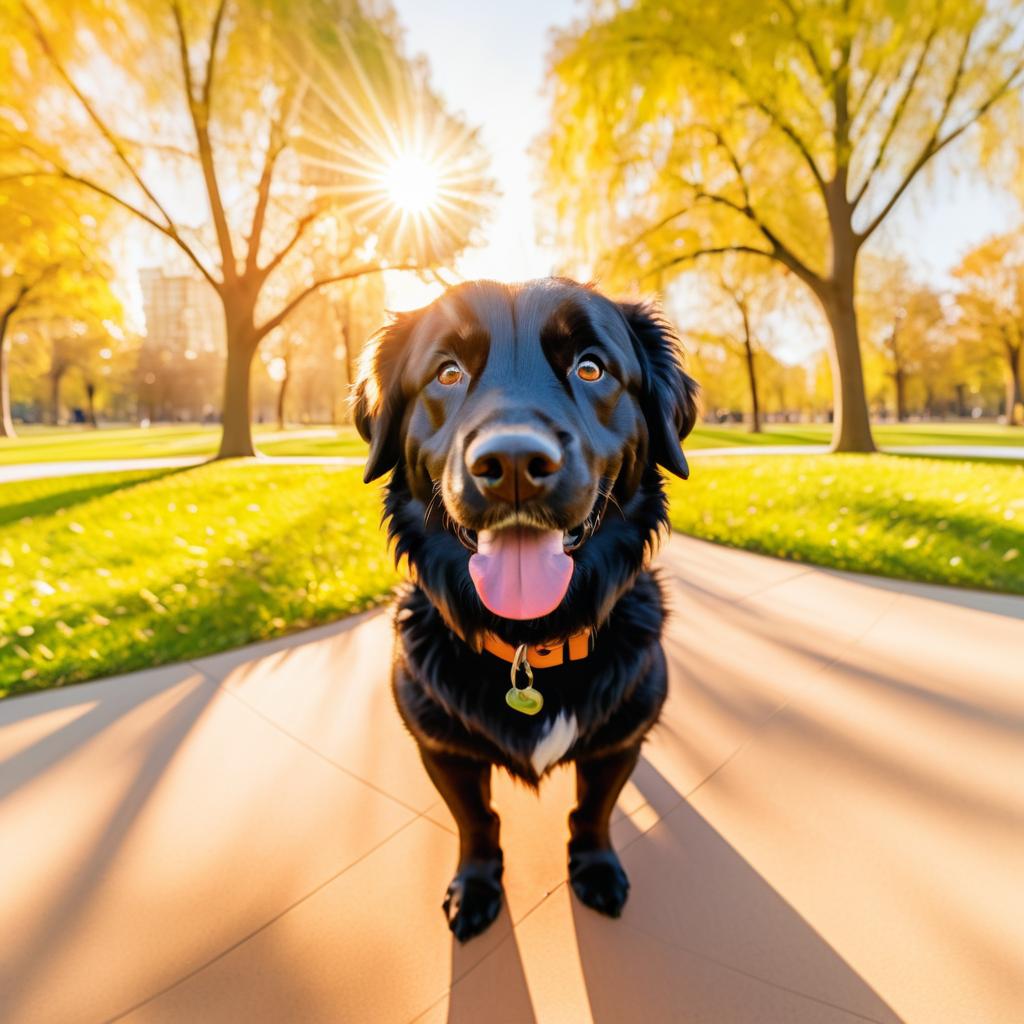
(523, 426)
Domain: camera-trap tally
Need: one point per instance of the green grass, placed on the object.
(118, 572)
(58, 444)
(960, 523)
(106, 573)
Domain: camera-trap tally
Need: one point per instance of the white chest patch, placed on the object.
(554, 743)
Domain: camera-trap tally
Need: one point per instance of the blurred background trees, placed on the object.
(787, 130)
(992, 311)
(203, 202)
(261, 141)
(57, 287)
(732, 309)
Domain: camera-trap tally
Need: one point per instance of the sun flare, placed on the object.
(413, 183)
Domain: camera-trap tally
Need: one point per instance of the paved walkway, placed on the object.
(41, 470)
(825, 827)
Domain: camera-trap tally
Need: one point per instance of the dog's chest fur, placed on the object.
(559, 735)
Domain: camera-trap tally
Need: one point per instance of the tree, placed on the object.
(788, 130)
(992, 308)
(296, 123)
(51, 260)
(736, 297)
(899, 317)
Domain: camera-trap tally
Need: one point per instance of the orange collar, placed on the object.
(547, 655)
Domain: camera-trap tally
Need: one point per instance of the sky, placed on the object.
(488, 59)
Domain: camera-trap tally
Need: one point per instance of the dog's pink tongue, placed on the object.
(521, 574)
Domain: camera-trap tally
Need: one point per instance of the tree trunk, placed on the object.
(281, 395)
(899, 377)
(1014, 388)
(90, 403)
(961, 401)
(6, 422)
(755, 406)
(851, 427)
(55, 378)
(236, 435)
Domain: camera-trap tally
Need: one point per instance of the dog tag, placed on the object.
(525, 698)
(528, 700)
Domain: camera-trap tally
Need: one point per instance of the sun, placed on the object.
(413, 183)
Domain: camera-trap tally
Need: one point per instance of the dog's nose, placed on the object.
(514, 465)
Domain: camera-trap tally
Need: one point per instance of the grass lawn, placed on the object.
(57, 444)
(937, 520)
(105, 573)
(115, 572)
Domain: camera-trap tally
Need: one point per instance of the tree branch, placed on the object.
(300, 229)
(170, 231)
(274, 148)
(787, 129)
(935, 145)
(823, 76)
(218, 19)
(9, 310)
(92, 114)
(897, 116)
(779, 249)
(717, 250)
(348, 275)
(276, 144)
(199, 110)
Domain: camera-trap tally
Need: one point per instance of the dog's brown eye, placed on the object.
(589, 370)
(449, 374)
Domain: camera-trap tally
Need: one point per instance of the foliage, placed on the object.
(935, 520)
(786, 129)
(734, 302)
(112, 573)
(58, 295)
(992, 304)
(907, 337)
(253, 136)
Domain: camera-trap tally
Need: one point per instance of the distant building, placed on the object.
(183, 313)
(181, 363)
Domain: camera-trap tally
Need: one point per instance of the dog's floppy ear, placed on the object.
(378, 401)
(669, 398)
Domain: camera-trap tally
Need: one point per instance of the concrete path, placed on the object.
(41, 470)
(827, 826)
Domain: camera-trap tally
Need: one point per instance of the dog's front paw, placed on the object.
(599, 881)
(473, 899)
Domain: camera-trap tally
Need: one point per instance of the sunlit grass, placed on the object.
(136, 571)
(104, 573)
(58, 444)
(935, 520)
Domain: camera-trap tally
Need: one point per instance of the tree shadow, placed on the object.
(77, 495)
(991, 602)
(705, 937)
(69, 900)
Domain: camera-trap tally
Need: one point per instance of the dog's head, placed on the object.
(517, 413)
